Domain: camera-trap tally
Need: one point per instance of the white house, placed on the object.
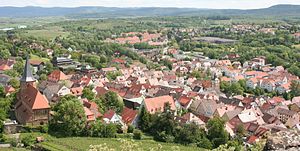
(268, 85)
(252, 83)
(112, 117)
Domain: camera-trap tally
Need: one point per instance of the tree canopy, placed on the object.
(69, 117)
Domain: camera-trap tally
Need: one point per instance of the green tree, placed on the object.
(100, 103)
(113, 75)
(88, 93)
(190, 134)
(4, 54)
(113, 101)
(43, 77)
(216, 132)
(98, 129)
(2, 92)
(242, 83)
(11, 73)
(163, 125)
(109, 130)
(204, 143)
(69, 117)
(295, 88)
(236, 89)
(14, 83)
(224, 86)
(137, 134)
(238, 146)
(49, 67)
(294, 69)
(259, 91)
(19, 67)
(144, 122)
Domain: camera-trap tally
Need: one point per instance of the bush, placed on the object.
(27, 129)
(119, 129)
(43, 128)
(12, 141)
(204, 143)
(2, 138)
(28, 140)
(163, 137)
(109, 131)
(130, 129)
(137, 134)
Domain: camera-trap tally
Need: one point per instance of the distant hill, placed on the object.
(277, 10)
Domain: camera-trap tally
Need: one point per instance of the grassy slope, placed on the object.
(83, 143)
(35, 57)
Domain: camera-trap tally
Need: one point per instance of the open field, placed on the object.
(35, 57)
(47, 33)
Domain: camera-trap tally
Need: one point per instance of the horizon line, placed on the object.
(144, 7)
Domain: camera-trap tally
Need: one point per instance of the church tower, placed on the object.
(27, 77)
(31, 106)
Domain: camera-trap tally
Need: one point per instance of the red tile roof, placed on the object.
(92, 106)
(56, 76)
(6, 64)
(101, 91)
(276, 100)
(225, 79)
(77, 91)
(4, 67)
(118, 60)
(34, 99)
(128, 115)
(85, 80)
(89, 114)
(184, 100)
(157, 104)
(266, 106)
(252, 139)
(9, 89)
(247, 100)
(109, 114)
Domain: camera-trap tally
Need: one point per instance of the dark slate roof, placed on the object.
(4, 79)
(27, 74)
(230, 101)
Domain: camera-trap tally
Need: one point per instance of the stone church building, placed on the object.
(31, 108)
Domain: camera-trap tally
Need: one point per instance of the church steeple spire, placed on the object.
(27, 74)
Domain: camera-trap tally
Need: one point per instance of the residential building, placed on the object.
(157, 104)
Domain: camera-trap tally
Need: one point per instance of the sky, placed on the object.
(217, 4)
